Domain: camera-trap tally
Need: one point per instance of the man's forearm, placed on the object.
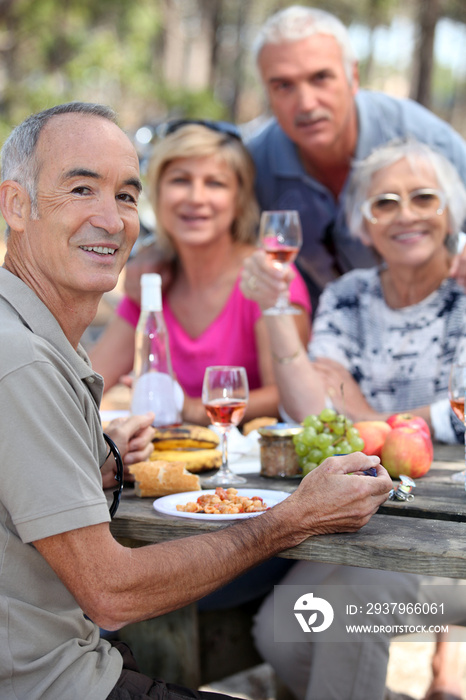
(115, 585)
(190, 568)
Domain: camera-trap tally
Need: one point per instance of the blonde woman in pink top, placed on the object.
(200, 183)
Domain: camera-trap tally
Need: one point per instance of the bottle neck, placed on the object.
(151, 298)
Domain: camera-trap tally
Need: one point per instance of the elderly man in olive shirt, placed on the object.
(69, 196)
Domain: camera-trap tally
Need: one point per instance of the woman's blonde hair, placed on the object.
(196, 141)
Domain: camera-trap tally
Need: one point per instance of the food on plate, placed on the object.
(194, 460)
(330, 433)
(257, 423)
(184, 437)
(224, 502)
(162, 478)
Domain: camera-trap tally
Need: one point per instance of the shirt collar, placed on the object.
(285, 157)
(36, 316)
(369, 127)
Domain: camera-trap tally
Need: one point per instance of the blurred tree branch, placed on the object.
(427, 16)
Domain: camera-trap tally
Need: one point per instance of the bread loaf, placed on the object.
(161, 478)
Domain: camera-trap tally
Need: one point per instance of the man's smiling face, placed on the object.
(87, 219)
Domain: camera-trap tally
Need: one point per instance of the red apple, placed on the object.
(408, 420)
(373, 432)
(407, 451)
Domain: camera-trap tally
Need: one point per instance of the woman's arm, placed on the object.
(113, 354)
(265, 401)
(347, 397)
(301, 388)
(344, 392)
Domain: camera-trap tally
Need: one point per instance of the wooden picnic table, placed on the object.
(426, 535)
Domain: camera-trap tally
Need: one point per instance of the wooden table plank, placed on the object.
(428, 535)
(431, 547)
(434, 548)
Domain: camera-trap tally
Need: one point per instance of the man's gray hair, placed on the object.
(297, 22)
(418, 155)
(18, 155)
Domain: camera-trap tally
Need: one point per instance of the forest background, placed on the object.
(154, 59)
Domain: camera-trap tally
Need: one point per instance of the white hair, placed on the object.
(18, 155)
(297, 22)
(19, 152)
(417, 154)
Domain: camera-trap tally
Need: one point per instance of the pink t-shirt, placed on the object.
(229, 340)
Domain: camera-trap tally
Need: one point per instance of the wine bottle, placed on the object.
(154, 388)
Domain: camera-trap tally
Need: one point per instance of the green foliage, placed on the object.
(112, 51)
(59, 50)
(201, 104)
(99, 51)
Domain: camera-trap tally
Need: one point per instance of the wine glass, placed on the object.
(280, 236)
(456, 392)
(225, 393)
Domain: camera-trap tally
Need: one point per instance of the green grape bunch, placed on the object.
(330, 433)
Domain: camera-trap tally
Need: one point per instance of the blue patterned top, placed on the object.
(400, 358)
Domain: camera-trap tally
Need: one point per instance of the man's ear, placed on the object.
(14, 204)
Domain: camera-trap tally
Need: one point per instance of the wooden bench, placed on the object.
(192, 647)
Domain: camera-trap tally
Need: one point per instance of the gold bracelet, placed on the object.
(287, 359)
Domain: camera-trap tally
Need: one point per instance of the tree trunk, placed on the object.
(174, 42)
(428, 14)
(241, 22)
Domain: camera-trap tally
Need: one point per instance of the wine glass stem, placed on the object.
(283, 297)
(282, 300)
(225, 448)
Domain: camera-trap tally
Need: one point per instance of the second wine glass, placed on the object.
(456, 392)
(280, 236)
(225, 394)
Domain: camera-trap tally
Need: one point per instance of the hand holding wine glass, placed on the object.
(456, 392)
(280, 236)
(225, 395)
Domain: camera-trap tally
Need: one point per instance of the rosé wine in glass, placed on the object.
(280, 236)
(458, 408)
(225, 394)
(225, 411)
(456, 393)
(284, 255)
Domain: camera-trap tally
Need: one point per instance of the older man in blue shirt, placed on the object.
(322, 122)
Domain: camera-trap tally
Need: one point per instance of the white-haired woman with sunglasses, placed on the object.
(387, 334)
(200, 182)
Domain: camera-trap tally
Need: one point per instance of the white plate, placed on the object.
(167, 504)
